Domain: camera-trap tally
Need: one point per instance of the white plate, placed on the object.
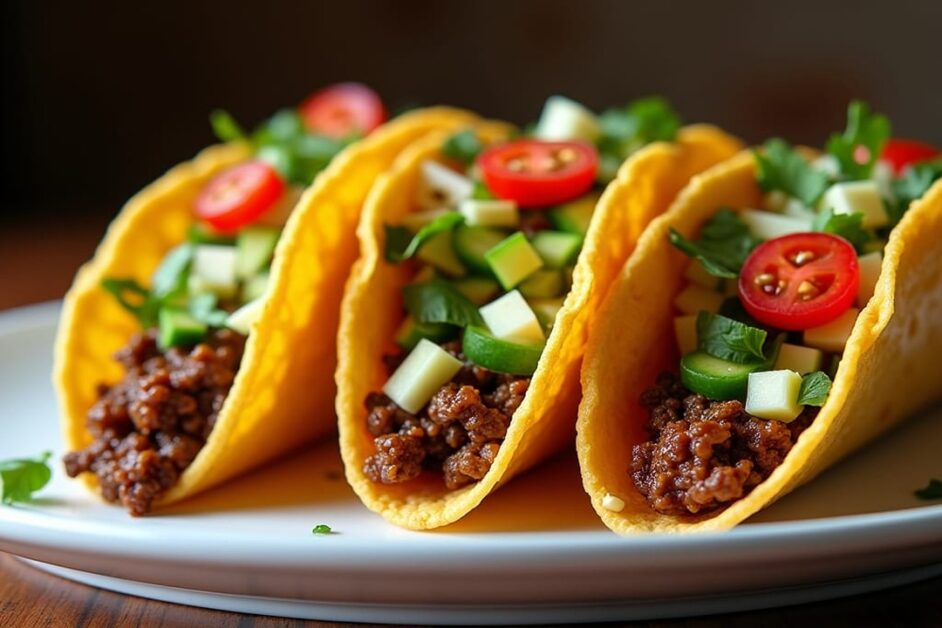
(534, 552)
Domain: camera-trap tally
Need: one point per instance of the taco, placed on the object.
(217, 289)
(784, 312)
(482, 261)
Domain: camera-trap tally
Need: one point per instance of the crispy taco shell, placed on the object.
(886, 374)
(544, 423)
(284, 390)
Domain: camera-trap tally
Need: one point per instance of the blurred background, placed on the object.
(100, 98)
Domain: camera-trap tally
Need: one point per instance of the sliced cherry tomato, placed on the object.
(239, 195)
(535, 173)
(342, 110)
(901, 153)
(800, 280)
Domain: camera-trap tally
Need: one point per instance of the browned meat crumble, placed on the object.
(149, 427)
(702, 454)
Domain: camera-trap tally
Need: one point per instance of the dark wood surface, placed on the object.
(37, 263)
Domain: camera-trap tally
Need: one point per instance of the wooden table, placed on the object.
(37, 263)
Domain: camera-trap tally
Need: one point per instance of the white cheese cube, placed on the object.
(214, 270)
(510, 318)
(694, 299)
(426, 369)
(685, 330)
(697, 274)
(832, 336)
(774, 395)
(870, 266)
(767, 225)
(490, 213)
(565, 119)
(441, 187)
(858, 196)
(802, 360)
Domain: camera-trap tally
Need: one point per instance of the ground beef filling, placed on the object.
(457, 434)
(149, 427)
(705, 454)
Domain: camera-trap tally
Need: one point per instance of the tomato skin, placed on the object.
(239, 195)
(536, 173)
(829, 280)
(902, 153)
(342, 110)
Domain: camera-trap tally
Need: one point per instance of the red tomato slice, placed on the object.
(800, 280)
(342, 110)
(901, 153)
(535, 173)
(239, 195)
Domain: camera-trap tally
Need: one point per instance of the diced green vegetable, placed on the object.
(716, 379)
(547, 310)
(416, 220)
(490, 213)
(254, 287)
(478, 290)
(510, 318)
(411, 332)
(576, 216)
(243, 318)
(484, 349)
(439, 252)
(426, 369)
(774, 395)
(400, 245)
(513, 260)
(214, 270)
(543, 284)
(254, 248)
(472, 244)
(179, 328)
(557, 248)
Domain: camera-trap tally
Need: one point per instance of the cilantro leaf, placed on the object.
(626, 129)
(438, 301)
(781, 167)
(728, 339)
(321, 528)
(398, 248)
(170, 277)
(912, 185)
(860, 145)
(814, 389)
(933, 490)
(725, 243)
(20, 478)
(203, 308)
(225, 127)
(463, 146)
(134, 298)
(848, 226)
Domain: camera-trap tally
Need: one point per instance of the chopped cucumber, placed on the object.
(870, 266)
(214, 270)
(254, 287)
(685, 330)
(411, 332)
(547, 310)
(858, 196)
(576, 216)
(510, 318)
(557, 248)
(178, 327)
(716, 379)
(565, 119)
(478, 290)
(694, 299)
(426, 369)
(417, 220)
(441, 187)
(774, 395)
(472, 243)
(513, 260)
(543, 284)
(254, 248)
(502, 356)
(490, 213)
(243, 318)
(832, 336)
(802, 360)
(767, 225)
(440, 253)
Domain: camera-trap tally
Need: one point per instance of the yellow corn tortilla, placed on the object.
(887, 372)
(283, 393)
(544, 423)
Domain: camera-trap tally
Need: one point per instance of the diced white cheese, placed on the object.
(827, 164)
(243, 318)
(697, 274)
(802, 360)
(767, 225)
(490, 213)
(797, 209)
(441, 187)
(214, 267)
(685, 330)
(832, 336)
(613, 503)
(426, 369)
(565, 119)
(774, 395)
(510, 318)
(858, 196)
(870, 266)
(882, 173)
(694, 299)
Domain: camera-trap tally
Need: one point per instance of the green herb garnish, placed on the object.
(814, 389)
(626, 129)
(912, 185)
(463, 146)
(848, 226)
(321, 528)
(401, 245)
(134, 298)
(225, 127)
(438, 301)
(203, 307)
(781, 167)
(728, 339)
(21, 477)
(933, 490)
(724, 244)
(860, 145)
